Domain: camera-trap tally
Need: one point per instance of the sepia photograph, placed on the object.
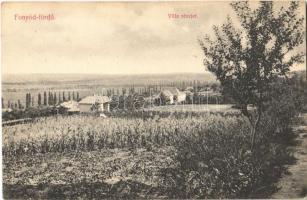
(154, 100)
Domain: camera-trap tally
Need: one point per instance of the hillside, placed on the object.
(30, 81)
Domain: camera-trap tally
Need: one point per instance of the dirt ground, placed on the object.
(111, 174)
(293, 184)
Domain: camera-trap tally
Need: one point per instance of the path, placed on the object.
(294, 183)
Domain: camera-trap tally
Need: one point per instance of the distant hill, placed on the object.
(120, 79)
(57, 81)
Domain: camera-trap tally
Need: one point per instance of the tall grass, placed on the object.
(212, 151)
(82, 133)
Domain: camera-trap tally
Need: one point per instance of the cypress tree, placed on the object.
(45, 98)
(48, 103)
(19, 104)
(51, 99)
(59, 97)
(27, 100)
(54, 99)
(39, 99)
(64, 99)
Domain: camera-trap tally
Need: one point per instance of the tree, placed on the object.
(64, 99)
(54, 99)
(19, 104)
(78, 96)
(30, 98)
(48, 103)
(27, 100)
(39, 99)
(45, 98)
(50, 99)
(124, 91)
(60, 101)
(248, 59)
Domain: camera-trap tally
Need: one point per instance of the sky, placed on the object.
(108, 38)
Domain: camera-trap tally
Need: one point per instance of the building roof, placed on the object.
(72, 106)
(68, 104)
(173, 91)
(94, 99)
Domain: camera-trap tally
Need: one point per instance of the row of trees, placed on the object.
(51, 99)
(44, 99)
(148, 90)
(12, 105)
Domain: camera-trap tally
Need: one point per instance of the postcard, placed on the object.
(154, 100)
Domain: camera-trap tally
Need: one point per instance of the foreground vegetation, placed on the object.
(175, 155)
(152, 153)
(63, 134)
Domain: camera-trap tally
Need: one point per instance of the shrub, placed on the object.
(218, 162)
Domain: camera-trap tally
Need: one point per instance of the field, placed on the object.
(66, 133)
(195, 108)
(177, 151)
(108, 173)
(195, 155)
(125, 157)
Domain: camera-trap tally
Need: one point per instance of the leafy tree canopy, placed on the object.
(247, 59)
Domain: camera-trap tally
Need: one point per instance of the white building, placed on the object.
(90, 103)
(71, 106)
(172, 95)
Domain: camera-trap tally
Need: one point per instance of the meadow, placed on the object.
(69, 133)
(202, 108)
(200, 155)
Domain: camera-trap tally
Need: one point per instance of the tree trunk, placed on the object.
(254, 124)
(254, 130)
(253, 136)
